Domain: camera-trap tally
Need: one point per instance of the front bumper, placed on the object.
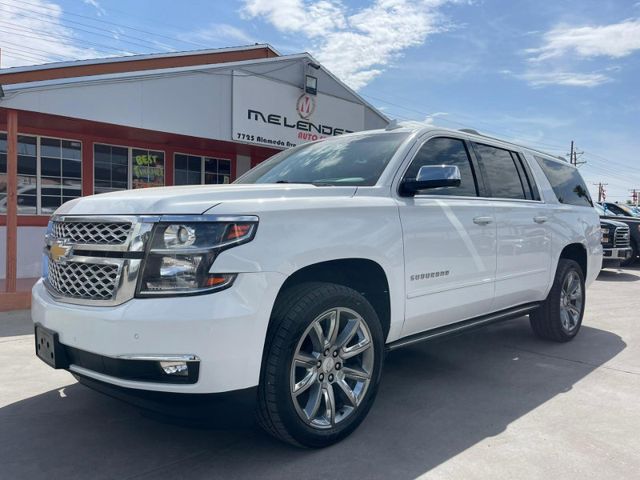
(225, 330)
(613, 257)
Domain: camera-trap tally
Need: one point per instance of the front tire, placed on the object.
(560, 316)
(634, 255)
(322, 364)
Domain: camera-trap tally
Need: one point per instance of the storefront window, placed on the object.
(196, 170)
(45, 180)
(111, 168)
(148, 168)
(188, 169)
(60, 172)
(217, 171)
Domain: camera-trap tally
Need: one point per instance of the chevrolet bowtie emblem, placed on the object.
(59, 251)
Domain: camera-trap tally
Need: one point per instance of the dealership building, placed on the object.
(80, 128)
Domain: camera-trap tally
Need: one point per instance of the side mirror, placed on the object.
(431, 177)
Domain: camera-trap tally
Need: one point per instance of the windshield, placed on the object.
(599, 209)
(350, 160)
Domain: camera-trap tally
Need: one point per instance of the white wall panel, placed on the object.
(30, 245)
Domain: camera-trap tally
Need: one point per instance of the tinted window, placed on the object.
(528, 182)
(348, 160)
(500, 171)
(566, 182)
(446, 151)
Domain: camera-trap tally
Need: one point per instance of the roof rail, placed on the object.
(472, 131)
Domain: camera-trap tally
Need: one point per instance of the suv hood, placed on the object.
(191, 199)
(621, 218)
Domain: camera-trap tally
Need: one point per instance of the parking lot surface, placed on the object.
(494, 403)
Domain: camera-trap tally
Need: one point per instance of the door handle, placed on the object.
(482, 220)
(540, 219)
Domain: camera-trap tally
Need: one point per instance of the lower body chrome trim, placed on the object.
(460, 327)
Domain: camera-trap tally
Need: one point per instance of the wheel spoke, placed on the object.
(305, 383)
(348, 332)
(334, 326)
(330, 404)
(564, 318)
(356, 373)
(313, 404)
(346, 389)
(318, 333)
(305, 360)
(356, 349)
(575, 313)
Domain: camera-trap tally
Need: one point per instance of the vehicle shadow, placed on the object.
(617, 276)
(435, 401)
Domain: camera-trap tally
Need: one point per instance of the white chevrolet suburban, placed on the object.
(291, 284)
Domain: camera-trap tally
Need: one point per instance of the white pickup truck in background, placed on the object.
(293, 282)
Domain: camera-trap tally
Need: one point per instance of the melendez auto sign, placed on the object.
(270, 113)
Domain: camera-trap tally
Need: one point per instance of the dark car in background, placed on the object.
(620, 209)
(616, 242)
(634, 235)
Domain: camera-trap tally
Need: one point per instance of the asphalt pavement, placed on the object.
(495, 403)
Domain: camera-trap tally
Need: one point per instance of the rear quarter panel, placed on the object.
(569, 224)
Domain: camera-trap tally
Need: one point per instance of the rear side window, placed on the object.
(446, 151)
(566, 182)
(499, 166)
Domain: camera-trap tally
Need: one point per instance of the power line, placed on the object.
(60, 23)
(106, 22)
(31, 33)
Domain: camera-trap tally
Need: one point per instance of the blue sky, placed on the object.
(541, 73)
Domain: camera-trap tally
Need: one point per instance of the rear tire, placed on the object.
(560, 316)
(321, 366)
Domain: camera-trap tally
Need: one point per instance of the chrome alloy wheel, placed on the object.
(571, 299)
(331, 368)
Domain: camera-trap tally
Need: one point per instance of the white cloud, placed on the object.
(356, 46)
(564, 49)
(615, 40)
(95, 4)
(219, 34)
(571, 79)
(28, 39)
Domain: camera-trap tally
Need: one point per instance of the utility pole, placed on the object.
(571, 153)
(602, 193)
(573, 156)
(635, 194)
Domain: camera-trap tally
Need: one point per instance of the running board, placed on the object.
(463, 326)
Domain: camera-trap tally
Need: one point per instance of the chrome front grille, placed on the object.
(92, 233)
(88, 281)
(95, 260)
(622, 238)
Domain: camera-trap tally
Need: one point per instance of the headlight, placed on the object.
(604, 235)
(180, 255)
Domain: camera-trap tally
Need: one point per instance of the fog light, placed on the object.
(175, 368)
